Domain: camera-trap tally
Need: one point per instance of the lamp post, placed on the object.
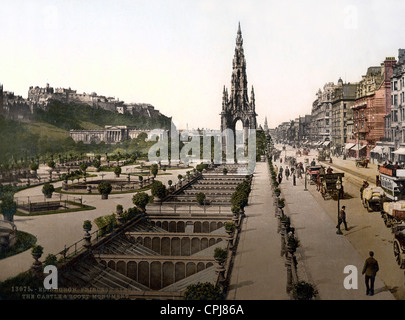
(338, 187)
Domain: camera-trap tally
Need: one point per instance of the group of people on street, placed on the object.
(294, 171)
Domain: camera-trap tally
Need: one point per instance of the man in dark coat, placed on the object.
(370, 270)
(342, 218)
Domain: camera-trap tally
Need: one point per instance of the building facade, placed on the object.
(110, 134)
(372, 104)
(321, 113)
(393, 146)
(344, 95)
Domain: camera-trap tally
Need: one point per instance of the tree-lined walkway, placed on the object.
(258, 271)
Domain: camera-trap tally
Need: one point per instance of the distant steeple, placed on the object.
(266, 126)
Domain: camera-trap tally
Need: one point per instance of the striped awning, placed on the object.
(349, 145)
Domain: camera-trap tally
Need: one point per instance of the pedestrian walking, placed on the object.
(294, 180)
(280, 176)
(287, 173)
(342, 218)
(370, 270)
(300, 169)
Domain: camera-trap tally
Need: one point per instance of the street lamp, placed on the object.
(338, 187)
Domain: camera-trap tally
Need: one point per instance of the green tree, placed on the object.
(48, 189)
(203, 291)
(104, 188)
(200, 197)
(154, 169)
(158, 189)
(8, 207)
(117, 171)
(141, 199)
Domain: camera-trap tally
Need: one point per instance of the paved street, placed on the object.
(259, 271)
(366, 229)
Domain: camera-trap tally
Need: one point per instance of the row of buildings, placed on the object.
(17, 108)
(361, 119)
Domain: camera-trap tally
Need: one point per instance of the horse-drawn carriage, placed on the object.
(362, 163)
(328, 185)
(373, 198)
(313, 172)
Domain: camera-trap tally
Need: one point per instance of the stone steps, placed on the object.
(206, 275)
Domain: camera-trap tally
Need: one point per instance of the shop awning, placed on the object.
(358, 147)
(349, 145)
(377, 149)
(400, 151)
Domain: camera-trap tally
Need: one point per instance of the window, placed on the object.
(344, 106)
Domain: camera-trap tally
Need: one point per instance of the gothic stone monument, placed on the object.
(236, 106)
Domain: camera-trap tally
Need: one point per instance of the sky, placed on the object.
(177, 54)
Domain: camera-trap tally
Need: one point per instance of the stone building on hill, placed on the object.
(18, 108)
(110, 134)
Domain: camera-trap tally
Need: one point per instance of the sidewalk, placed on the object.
(258, 271)
(323, 253)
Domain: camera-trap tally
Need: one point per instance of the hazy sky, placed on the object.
(177, 54)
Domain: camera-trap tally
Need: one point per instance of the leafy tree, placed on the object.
(130, 213)
(51, 259)
(8, 207)
(97, 164)
(83, 167)
(117, 171)
(303, 290)
(158, 189)
(34, 166)
(203, 291)
(106, 223)
(87, 225)
(48, 189)
(200, 197)
(141, 199)
(104, 188)
(51, 164)
(154, 169)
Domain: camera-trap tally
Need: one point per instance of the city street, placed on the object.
(366, 230)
